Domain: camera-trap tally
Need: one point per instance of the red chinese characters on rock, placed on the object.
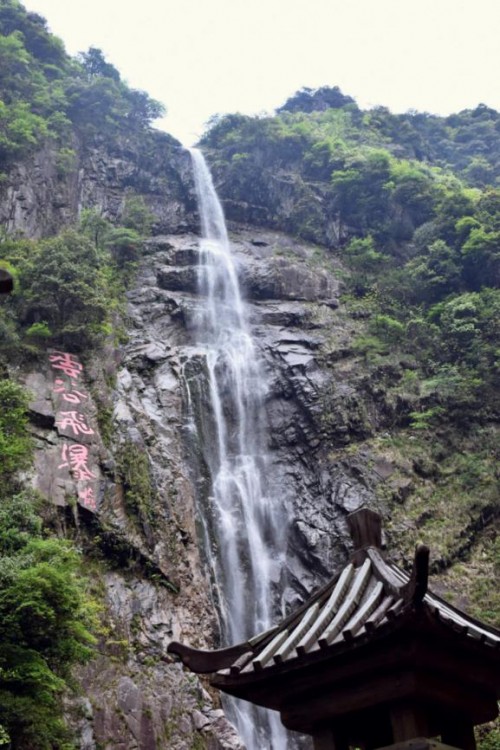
(74, 456)
(68, 363)
(75, 422)
(71, 397)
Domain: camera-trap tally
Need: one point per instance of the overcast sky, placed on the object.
(202, 57)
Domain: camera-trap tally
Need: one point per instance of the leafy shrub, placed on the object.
(15, 443)
(45, 616)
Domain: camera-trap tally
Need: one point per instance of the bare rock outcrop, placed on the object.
(148, 486)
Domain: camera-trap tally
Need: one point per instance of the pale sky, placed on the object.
(202, 57)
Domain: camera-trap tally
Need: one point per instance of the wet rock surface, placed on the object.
(154, 583)
(293, 301)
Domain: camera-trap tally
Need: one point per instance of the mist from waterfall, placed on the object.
(244, 528)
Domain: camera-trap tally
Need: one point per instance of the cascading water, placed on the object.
(244, 530)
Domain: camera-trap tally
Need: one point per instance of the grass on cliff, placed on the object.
(446, 496)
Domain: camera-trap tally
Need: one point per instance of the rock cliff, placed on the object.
(164, 591)
(136, 512)
(40, 196)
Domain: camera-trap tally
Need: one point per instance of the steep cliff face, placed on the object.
(129, 506)
(109, 456)
(137, 513)
(288, 294)
(115, 453)
(41, 195)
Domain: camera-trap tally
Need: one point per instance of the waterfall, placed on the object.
(244, 527)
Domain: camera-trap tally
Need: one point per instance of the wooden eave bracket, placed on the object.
(365, 527)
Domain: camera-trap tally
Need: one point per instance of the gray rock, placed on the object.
(138, 696)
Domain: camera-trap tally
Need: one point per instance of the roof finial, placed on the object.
(416, 587)
(365, 526)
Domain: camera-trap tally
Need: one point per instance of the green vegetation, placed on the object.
(317, 128)
(397, 206)
(45, 613)
(15, 445)
(410, 206)
(45, 94)
(68, 288)
(44, 620)
(134, 471)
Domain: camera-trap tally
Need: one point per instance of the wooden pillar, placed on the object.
(327, 739)
(459, 732)
(408, 721)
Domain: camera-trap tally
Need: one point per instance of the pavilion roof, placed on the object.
(368, 599)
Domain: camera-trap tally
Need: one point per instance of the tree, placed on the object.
(136, 215)
(142, 109)
(316, 100)
(62, 286)
(435, 274)
(20, 130)
(46, 48)
(45, 616)
(96, 105)
(124, 245)
(488, 209)
(481, 259)
(95, 65)
(414, 191)
(94, 226)
(363, 189)
(15, 443)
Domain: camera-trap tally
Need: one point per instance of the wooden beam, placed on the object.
(329, 739)
(207, 661)
(409, 720)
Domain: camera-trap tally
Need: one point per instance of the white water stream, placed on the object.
(245, 530)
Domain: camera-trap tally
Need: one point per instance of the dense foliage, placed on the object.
(68, 288)
(44, 93)
(45, 613)
(44, 620)
(382, 192)
(318, 129)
